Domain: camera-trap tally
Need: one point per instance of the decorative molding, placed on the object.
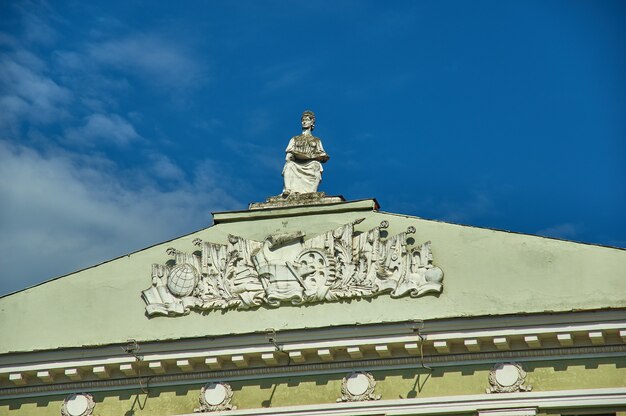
(491, 331)
(215, 396)
(507, 378)
(366, 205)
(358, 386)
(79, 369)
(193, 361)
(318, 368)
(521, 402)
(338, 264)
(291, 200)
(80, 404)
(530, 411)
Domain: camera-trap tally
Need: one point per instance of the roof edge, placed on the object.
(266, 213)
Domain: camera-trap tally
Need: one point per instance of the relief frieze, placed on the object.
(292, 268)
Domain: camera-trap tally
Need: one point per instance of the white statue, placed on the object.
(305, 155)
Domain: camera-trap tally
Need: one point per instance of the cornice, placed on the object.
(439, 329)
(333, 208)
(408, 344)
(290, 370)
(517, 404)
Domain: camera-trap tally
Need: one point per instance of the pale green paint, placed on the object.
(293, 391)
(487, 272)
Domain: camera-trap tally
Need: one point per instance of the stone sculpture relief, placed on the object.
(303, 166)
(358, 386)
(339, 264)
(507, 378)
(215, 397)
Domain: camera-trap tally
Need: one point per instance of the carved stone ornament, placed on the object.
(215, 397)
(305, 154)
(357, 387)
(81, 404)
(338, 264)
(507, 378)
(295, 199)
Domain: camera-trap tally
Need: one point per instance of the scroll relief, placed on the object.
(339, 264)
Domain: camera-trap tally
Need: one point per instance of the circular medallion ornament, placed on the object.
(78, 405)
(358, 386)
(507, 378)
(182, 279)
(507, 375)
(215, 396)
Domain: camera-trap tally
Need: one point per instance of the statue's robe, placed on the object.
(304, 173)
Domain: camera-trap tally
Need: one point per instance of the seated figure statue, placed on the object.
(303, 167)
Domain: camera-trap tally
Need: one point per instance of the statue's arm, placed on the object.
(323, 156)
(289, 151)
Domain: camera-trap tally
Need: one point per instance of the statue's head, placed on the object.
(308, 120)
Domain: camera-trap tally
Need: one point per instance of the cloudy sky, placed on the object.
(124, 124)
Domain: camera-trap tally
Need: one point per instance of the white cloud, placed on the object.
(36, 29)
(62, 210)
(103, 128)
(69, 211)
(163, 167)
(162, 61)
(29, 96)
(7, 40)
(69, 60)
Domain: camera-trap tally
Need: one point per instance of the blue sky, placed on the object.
(124, 125)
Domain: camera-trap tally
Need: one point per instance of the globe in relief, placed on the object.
(182, 279)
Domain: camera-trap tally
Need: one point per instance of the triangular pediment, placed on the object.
(485, 272)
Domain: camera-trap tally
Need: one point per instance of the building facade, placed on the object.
(325, 307)
(313, 305)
